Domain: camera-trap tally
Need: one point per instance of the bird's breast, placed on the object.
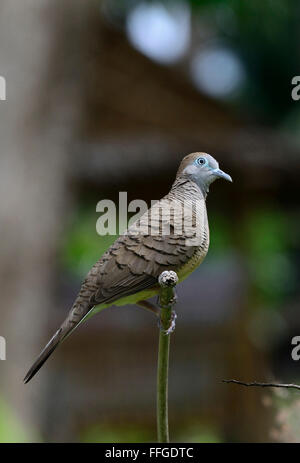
(198, 256)
(192, 264)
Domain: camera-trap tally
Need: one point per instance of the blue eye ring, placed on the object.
(201, 161)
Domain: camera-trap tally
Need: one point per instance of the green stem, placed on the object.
(162, 388)
(166, 296)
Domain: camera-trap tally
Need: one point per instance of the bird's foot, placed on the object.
(172, 302)
(174, 299)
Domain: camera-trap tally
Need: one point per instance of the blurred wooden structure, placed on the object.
(101, 117)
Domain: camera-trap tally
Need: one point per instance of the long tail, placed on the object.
(77, 315)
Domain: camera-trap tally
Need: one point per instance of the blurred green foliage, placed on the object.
(267, 241)
(193, 432)
(199, 433)
(265, 36)
(114, 434)
(11, 429)
(82, 246)
(220, 234)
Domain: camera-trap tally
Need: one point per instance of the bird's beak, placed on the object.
(221, 174)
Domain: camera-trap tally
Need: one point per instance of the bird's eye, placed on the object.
(201, 162)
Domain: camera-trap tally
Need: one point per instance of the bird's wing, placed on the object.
(134, 265)
(135, 261)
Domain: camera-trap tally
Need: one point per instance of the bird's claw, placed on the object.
(174, 300)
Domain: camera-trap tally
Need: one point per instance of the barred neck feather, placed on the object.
(184, 188)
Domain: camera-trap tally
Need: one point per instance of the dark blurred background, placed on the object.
(107, 96)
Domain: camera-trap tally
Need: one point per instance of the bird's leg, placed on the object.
(149, 306)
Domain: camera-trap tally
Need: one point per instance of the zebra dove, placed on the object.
(172, 235)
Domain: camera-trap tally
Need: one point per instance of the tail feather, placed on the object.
(44, 355)
(70, 324)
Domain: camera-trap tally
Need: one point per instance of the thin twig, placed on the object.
(256, 384)
(167, 280)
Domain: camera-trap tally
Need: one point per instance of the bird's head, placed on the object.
(202, 169)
